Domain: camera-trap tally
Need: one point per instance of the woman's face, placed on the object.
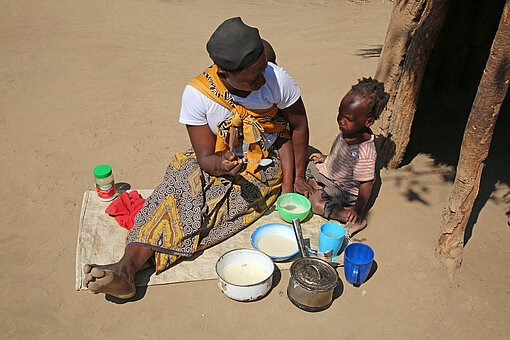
(353, 115)
(250, 79)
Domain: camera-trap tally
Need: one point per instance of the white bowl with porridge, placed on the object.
(245, 274)
(276, 240)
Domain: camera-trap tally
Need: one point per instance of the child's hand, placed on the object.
(317, 157)
(353, 214)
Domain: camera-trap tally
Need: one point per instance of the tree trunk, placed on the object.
(475, 146)
(411, 36)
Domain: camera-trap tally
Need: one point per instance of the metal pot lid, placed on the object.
(314, 274)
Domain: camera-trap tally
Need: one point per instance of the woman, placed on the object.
(236, 111)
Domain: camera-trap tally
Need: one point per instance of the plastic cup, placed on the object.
(358, 258)
(331, 237)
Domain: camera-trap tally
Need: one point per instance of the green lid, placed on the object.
(102, 171)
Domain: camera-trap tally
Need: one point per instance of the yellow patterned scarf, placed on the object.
(253, 122)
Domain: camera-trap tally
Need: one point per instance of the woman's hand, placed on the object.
(301, 186)
(231, 164)
(203, 142)
(317, 157)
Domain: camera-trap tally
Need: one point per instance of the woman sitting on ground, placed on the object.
(241, 109)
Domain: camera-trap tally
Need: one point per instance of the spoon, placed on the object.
(299, 237)
(262, 162)
(305, 251)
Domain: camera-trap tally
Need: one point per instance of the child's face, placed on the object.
(353, 115)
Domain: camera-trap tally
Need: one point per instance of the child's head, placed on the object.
(361, 106)
(372, 90)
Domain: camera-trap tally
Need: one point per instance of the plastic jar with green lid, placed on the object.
(105, 185)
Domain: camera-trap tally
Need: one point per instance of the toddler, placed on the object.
(344, 178)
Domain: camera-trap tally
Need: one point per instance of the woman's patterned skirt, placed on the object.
(192, 210)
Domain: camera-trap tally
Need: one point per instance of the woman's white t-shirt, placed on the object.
(279, 89)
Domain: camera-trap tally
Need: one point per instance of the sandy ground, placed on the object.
(90, 82)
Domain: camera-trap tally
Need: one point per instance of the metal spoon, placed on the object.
(304, 250)
(299, 237)
(263, 162)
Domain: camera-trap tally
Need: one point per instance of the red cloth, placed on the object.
(125, 207)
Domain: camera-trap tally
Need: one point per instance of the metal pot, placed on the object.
(312, 280)
(246, 258)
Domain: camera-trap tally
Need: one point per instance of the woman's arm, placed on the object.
(286, 154)
(296, 116)
(203, 142)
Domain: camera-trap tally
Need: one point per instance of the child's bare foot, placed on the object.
(109, 279)
(353, 228)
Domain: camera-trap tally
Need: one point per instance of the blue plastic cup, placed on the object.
(358, 258)
(331, 237)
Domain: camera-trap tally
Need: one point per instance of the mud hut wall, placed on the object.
(451, 79)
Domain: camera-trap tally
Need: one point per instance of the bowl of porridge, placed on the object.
(245, 274)
(276, 240)
(292, 205)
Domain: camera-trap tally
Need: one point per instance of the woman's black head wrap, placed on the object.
(234, 46)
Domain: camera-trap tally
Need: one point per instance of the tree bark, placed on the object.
(477, 138)
(411, 36)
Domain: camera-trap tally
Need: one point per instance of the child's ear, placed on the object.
(370, 121)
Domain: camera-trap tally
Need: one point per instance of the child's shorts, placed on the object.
(330, 192)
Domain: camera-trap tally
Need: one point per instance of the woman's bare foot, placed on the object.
(109, 279)
(353, 228)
